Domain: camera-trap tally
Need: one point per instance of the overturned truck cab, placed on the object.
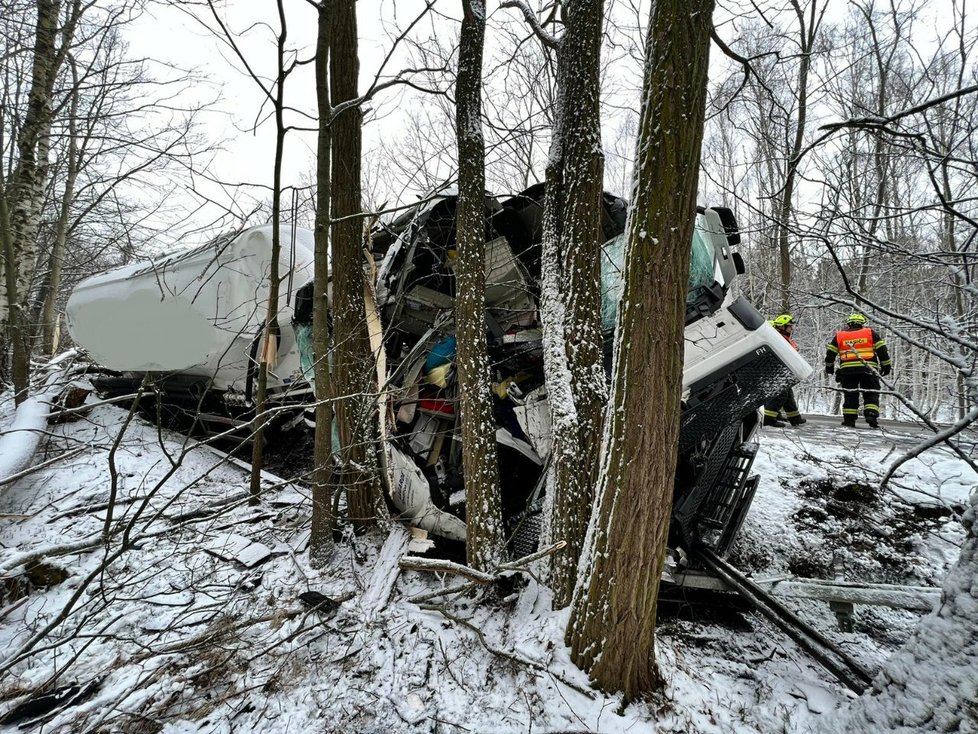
(734, 362)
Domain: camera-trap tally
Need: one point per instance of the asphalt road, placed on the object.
(891, 434)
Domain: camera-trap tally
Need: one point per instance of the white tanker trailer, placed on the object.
(192, 319)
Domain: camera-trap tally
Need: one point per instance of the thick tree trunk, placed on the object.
(612, 625)
(321, 539)
(572, 288)
(485, 543)
(356, 403)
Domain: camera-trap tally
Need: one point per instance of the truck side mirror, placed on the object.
(739, 263)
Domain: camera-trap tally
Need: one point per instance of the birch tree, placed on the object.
(21, 196)
(612, 624)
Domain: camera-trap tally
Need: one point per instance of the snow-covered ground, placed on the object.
(180, 612)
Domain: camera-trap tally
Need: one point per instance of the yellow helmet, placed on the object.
(785, 319)
(856, 318)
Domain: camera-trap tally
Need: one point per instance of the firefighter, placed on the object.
(863, 357)
(785, 325)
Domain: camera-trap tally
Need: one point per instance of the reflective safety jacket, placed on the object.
(858, 348)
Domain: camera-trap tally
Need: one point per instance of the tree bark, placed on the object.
(49, 318)
(24, 192)
(572, 288)
(485, 543)
(356, 402)
(321, 539)
(270, 328)
(612, 624)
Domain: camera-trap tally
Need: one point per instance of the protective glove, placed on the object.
(829, 369)
(886, 369)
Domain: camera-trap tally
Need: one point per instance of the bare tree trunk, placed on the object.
(485, 542)
(612, 624)
(269, 340)
(572, 288)
(49, 319)
(356, 404)
(24, 192)
(321, 539)
(807, 33)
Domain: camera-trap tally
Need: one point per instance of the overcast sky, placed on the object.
(168, 35)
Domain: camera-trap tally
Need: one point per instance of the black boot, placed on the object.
(774, 422)
(849, 422)
(872, 422)
(798, 420)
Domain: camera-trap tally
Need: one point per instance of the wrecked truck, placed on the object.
(191, 321)
(734, 362)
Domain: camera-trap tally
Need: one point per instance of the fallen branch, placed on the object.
(520, 563)
(438, 566)
(42, 465)
(20, 442)
(50, 551)
(448, 590)
(414, 563)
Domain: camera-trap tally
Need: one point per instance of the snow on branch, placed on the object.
(415, 563)
(531, 19)
(939, 437)
(882, 122)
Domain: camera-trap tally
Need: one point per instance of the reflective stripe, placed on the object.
(868, 406)
(832, 348)
(792, 413)
(850, 411)
(770, 413)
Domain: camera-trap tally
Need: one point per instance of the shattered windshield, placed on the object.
(613, 268)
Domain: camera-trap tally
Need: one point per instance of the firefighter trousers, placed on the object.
(855, 382)
(785, 401)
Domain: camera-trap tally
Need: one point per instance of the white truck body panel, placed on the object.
(719, 339)
(197, 311)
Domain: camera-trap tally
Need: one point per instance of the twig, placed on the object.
(457, 589)
(42, 465)
(512, 657)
